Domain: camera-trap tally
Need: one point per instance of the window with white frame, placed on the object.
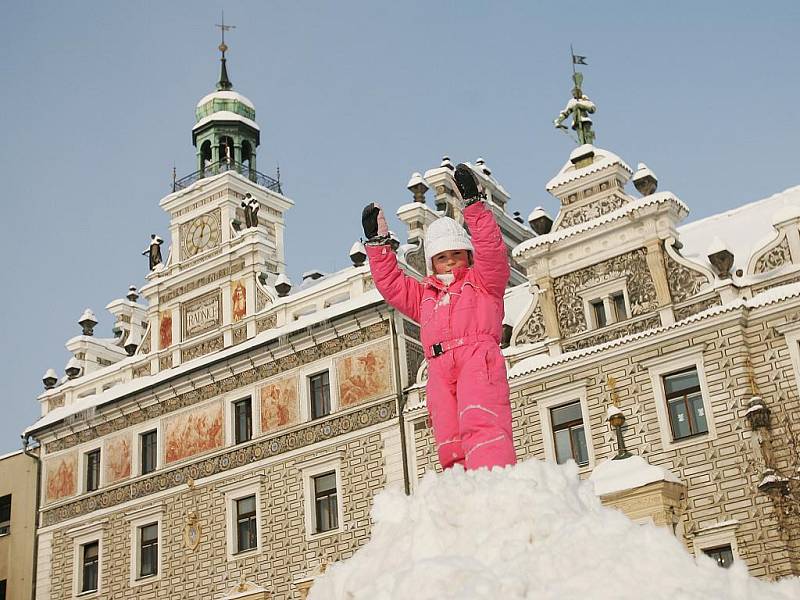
(683, 403)
(564, 417)
(89, 566)
(5, 515)
(319, 394)
(568, 433)
(718, 542)
(687, 414)
(148, 451)
(145, 532)
(606, 304)
(322, 485)
(242, 420)
(92, 470)
(148, 550)
(243, 516)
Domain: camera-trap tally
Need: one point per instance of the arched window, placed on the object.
(226, 150)
(205, 155)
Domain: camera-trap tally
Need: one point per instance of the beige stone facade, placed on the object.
(18, 473)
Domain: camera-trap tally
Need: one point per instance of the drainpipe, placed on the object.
(28, 452)
(401, 399)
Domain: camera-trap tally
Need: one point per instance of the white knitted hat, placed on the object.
(445, 234)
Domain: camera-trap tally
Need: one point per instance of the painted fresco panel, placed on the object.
(165, 330)
(117, 458)
(193, 432)
(238, 301)
(279, 404)
(364, 375)
(61, 476)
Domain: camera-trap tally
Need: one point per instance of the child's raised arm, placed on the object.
(397, 288)
(490, 259)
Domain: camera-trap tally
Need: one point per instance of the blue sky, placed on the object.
(352, 97)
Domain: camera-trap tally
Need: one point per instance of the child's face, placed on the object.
(449, 260)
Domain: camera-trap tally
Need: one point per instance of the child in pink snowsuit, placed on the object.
(460, 311)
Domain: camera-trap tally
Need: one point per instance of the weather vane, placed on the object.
(579, 106)
(223, 47)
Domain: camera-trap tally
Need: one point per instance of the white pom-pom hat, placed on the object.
(445, 234)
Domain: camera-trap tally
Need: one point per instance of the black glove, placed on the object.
(369, 220)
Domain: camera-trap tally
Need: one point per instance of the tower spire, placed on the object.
(224, 83)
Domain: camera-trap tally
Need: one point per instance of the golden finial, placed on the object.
(611, 383)
(751, 376)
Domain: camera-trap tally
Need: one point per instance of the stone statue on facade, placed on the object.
(250, 206)
(580, 107)
(153, 251)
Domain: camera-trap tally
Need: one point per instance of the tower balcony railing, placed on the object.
(271, 183)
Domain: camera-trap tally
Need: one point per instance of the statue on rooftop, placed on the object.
(153, 251)
(250, 207)
(580, 107)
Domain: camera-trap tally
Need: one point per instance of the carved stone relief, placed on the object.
(696, 307)
(262, 299)
(414, 358)
(625, 328)
(587, 212)
(141, 370)
(416, 258)
(631, 265)
(268, 322)
(239, 334)
(234, 382)
(533, 329)
(201, 281)
(411, 329)
(683, 281)
(55, 402)
(203, 348)
(165, 362)
(774, 258)
(144, 348)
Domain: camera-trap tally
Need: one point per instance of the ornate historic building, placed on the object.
(228, 440)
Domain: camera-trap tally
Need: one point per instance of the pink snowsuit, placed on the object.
(461, 325)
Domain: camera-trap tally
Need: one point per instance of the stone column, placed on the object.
(547, 301)
(655, 263)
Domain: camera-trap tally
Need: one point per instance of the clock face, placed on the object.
(203, 233)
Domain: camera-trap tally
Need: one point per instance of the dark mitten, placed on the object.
(369, 220)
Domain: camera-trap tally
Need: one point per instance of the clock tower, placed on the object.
(214, 287)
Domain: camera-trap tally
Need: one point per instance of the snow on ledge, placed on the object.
(612, 476)
(568, 173)
(623, 211)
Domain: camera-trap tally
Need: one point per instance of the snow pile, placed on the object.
(531, 531)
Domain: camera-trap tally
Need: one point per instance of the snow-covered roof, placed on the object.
(621, 212)
(226, 95)
(225, 115)
(137, 385)
(770, 296)
(10, 454)
(602, 159)
(742, 230)
(612, 476)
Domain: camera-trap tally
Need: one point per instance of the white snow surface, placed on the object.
(524, 532)
(612, 476)
(226, 95)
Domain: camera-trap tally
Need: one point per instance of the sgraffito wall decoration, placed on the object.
(61, 476)
(364, 375)
(279, 404)
(238, 301)
(117, 458)
(165, 330)
(193, 432)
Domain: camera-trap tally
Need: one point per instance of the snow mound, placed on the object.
(524, 532)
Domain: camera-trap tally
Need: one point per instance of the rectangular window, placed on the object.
(92, 470)
(618, 303)
(325, 504)
(568, 434)
(242, 421)
(2, 589)
(687, 414)
(148, 550)
(722, 554)
(599, 313)
(149, 448)
(89, 566)
(5, 516)
(320, 395)
(246, 530)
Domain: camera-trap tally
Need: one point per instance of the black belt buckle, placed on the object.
(437, 349)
